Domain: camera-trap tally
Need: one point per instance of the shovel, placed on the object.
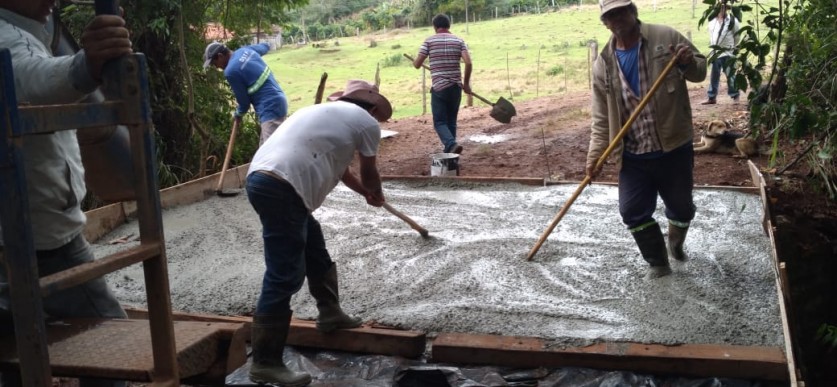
(501, 111)
(220, 191)
(588, 179)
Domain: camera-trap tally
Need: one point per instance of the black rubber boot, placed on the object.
(676, 238)
(331, 316)
(652, 246)
(269, 335)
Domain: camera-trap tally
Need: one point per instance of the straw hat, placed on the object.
(365, 92)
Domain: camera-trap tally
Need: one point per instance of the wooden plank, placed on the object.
(761, 185)
(94, 269)
(232, 354)
(472, 179)
(121, 349)
(762, 363)
(155, 269)
(103, 220)
(19, 250)
(780, 276)
(197, 190)
(365, 339)
(304, 333)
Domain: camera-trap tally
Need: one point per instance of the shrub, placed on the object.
(391, 61)
(555, 70)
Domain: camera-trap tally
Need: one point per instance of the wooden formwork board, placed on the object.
(763, 363)
(304, 333)
(781, 277)
(710, 360)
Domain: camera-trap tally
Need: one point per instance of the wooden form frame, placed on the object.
(698, 360)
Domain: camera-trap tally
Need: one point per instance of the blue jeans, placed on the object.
(670, 176)
(91, 299)
(445, 107)
(715, 78)
(294, 245)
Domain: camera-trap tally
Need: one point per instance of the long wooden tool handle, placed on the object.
(405, 218)
(603, 157)
(426, 67)
(320, 89)
(481, 98)
(228, 155)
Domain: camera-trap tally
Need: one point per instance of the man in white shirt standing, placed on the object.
(723, 31)
(290, 177)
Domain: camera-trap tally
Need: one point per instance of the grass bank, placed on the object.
(519, 58)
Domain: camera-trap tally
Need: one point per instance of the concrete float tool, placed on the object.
(588, 179)
(219, 190)
(502, 110)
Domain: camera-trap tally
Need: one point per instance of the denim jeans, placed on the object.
(294, 245)
(670, 176)
(91, 299)
(715, 78)
(445, 107)
(267, 129)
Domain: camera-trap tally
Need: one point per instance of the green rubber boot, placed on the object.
(331, 316)
(676, 238)
(652, 246)
(269, 335)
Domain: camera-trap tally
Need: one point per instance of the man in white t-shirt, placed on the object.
(290, 177)
(722, 39)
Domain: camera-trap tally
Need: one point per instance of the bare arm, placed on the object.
(369, 184)
(419, 60)
(466, 81)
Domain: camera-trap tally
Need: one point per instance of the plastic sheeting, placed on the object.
(330, 368)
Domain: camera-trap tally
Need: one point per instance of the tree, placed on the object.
(191, 107)
(786, 56)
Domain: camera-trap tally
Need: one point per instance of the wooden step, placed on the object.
(121, 349)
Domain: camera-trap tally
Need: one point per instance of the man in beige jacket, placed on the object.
(656, 156)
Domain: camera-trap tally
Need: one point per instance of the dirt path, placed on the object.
(547, 139)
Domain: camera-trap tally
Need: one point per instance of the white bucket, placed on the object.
(444, 164)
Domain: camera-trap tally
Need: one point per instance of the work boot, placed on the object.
(652, 246)
(268, 341)
(331, 316)
(710, 101)
(676, 238)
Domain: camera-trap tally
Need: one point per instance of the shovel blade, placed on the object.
(503, 111)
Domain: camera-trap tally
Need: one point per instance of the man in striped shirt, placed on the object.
(445, 51)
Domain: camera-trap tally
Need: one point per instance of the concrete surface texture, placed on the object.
(585, 284)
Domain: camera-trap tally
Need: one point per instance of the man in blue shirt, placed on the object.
(252, 82)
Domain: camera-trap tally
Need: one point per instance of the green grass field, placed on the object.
(519, 58)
